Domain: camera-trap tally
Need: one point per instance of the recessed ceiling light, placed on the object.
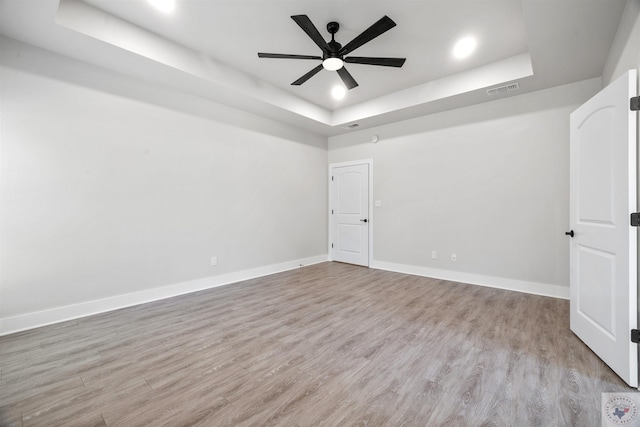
(165, 6)
(338, 92)
(464, 47)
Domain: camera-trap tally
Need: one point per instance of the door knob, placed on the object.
(364, 220)
(569, 233)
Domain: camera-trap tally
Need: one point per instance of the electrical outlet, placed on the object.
(454, 257)
(214, 260)
(434, 255)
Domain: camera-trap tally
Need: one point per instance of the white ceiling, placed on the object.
(209, 49)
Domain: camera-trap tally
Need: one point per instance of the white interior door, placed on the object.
(603, 254)
(350, 219)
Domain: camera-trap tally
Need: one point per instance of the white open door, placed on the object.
(349, 216)
(603, 254)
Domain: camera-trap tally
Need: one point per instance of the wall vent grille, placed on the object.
(503, 89)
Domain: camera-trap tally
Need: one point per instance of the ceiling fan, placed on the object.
(333, 53)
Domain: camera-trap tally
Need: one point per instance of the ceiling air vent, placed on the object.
(503, 89)
(353, 126)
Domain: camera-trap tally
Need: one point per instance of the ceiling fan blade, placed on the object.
(305, 23)
(383, 25)
(385, 62)
(348, 80)
(286, 56)
(307, 76)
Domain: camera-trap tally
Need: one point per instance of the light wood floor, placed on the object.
(330, 344)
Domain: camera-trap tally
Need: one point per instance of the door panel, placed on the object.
(603, 251)
(350, 214)
(595, 158)
(595, 282)
(350, 238)
(350, 190)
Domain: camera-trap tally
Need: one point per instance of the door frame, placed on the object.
(368, 162)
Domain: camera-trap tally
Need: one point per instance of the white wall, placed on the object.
(625, 51)
(104, 195)
(489, 182)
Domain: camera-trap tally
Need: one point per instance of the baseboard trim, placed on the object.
(535, 288)
(10, 325)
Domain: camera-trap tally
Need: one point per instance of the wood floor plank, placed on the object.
(163, 408)
(10, 417)
(329, 344)
(18, 393)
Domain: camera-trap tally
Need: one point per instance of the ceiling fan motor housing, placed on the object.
(335, 47)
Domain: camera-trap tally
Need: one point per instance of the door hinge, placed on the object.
(634, 103)
(635, 219)
(332, 245)
(331, 178)
(331, 211)
(635, 336)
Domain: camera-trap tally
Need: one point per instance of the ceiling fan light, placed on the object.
(332, 64)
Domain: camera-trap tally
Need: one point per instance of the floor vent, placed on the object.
(503, 89)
